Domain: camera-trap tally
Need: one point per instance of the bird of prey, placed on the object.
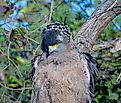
(62, 74)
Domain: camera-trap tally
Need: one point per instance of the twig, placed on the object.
(8, 54)
(21, 92)
(51, 11)
(119, 78)
(38, 28)
(34, 53)
(10, 60)
(31, 39)
(19, 89)
(8, 95)
(3, 93)
(6, 67)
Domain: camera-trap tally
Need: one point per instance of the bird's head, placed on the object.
(55, 38)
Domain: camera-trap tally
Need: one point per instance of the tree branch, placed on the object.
(89, 32)
(114, 45)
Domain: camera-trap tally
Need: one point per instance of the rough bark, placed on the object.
(89, 32)
(113, 45)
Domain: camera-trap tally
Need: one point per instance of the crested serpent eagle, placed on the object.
(62, 74)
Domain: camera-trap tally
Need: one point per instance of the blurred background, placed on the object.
(21, 23)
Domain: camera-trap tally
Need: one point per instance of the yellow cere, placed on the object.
(54, 46)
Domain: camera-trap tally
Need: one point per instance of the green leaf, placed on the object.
(13, 79)
(113, 96)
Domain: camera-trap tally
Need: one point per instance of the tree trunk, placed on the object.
(89, 32)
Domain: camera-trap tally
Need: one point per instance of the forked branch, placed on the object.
(89, 32)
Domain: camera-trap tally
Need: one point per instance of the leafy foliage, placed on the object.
(21, 23)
